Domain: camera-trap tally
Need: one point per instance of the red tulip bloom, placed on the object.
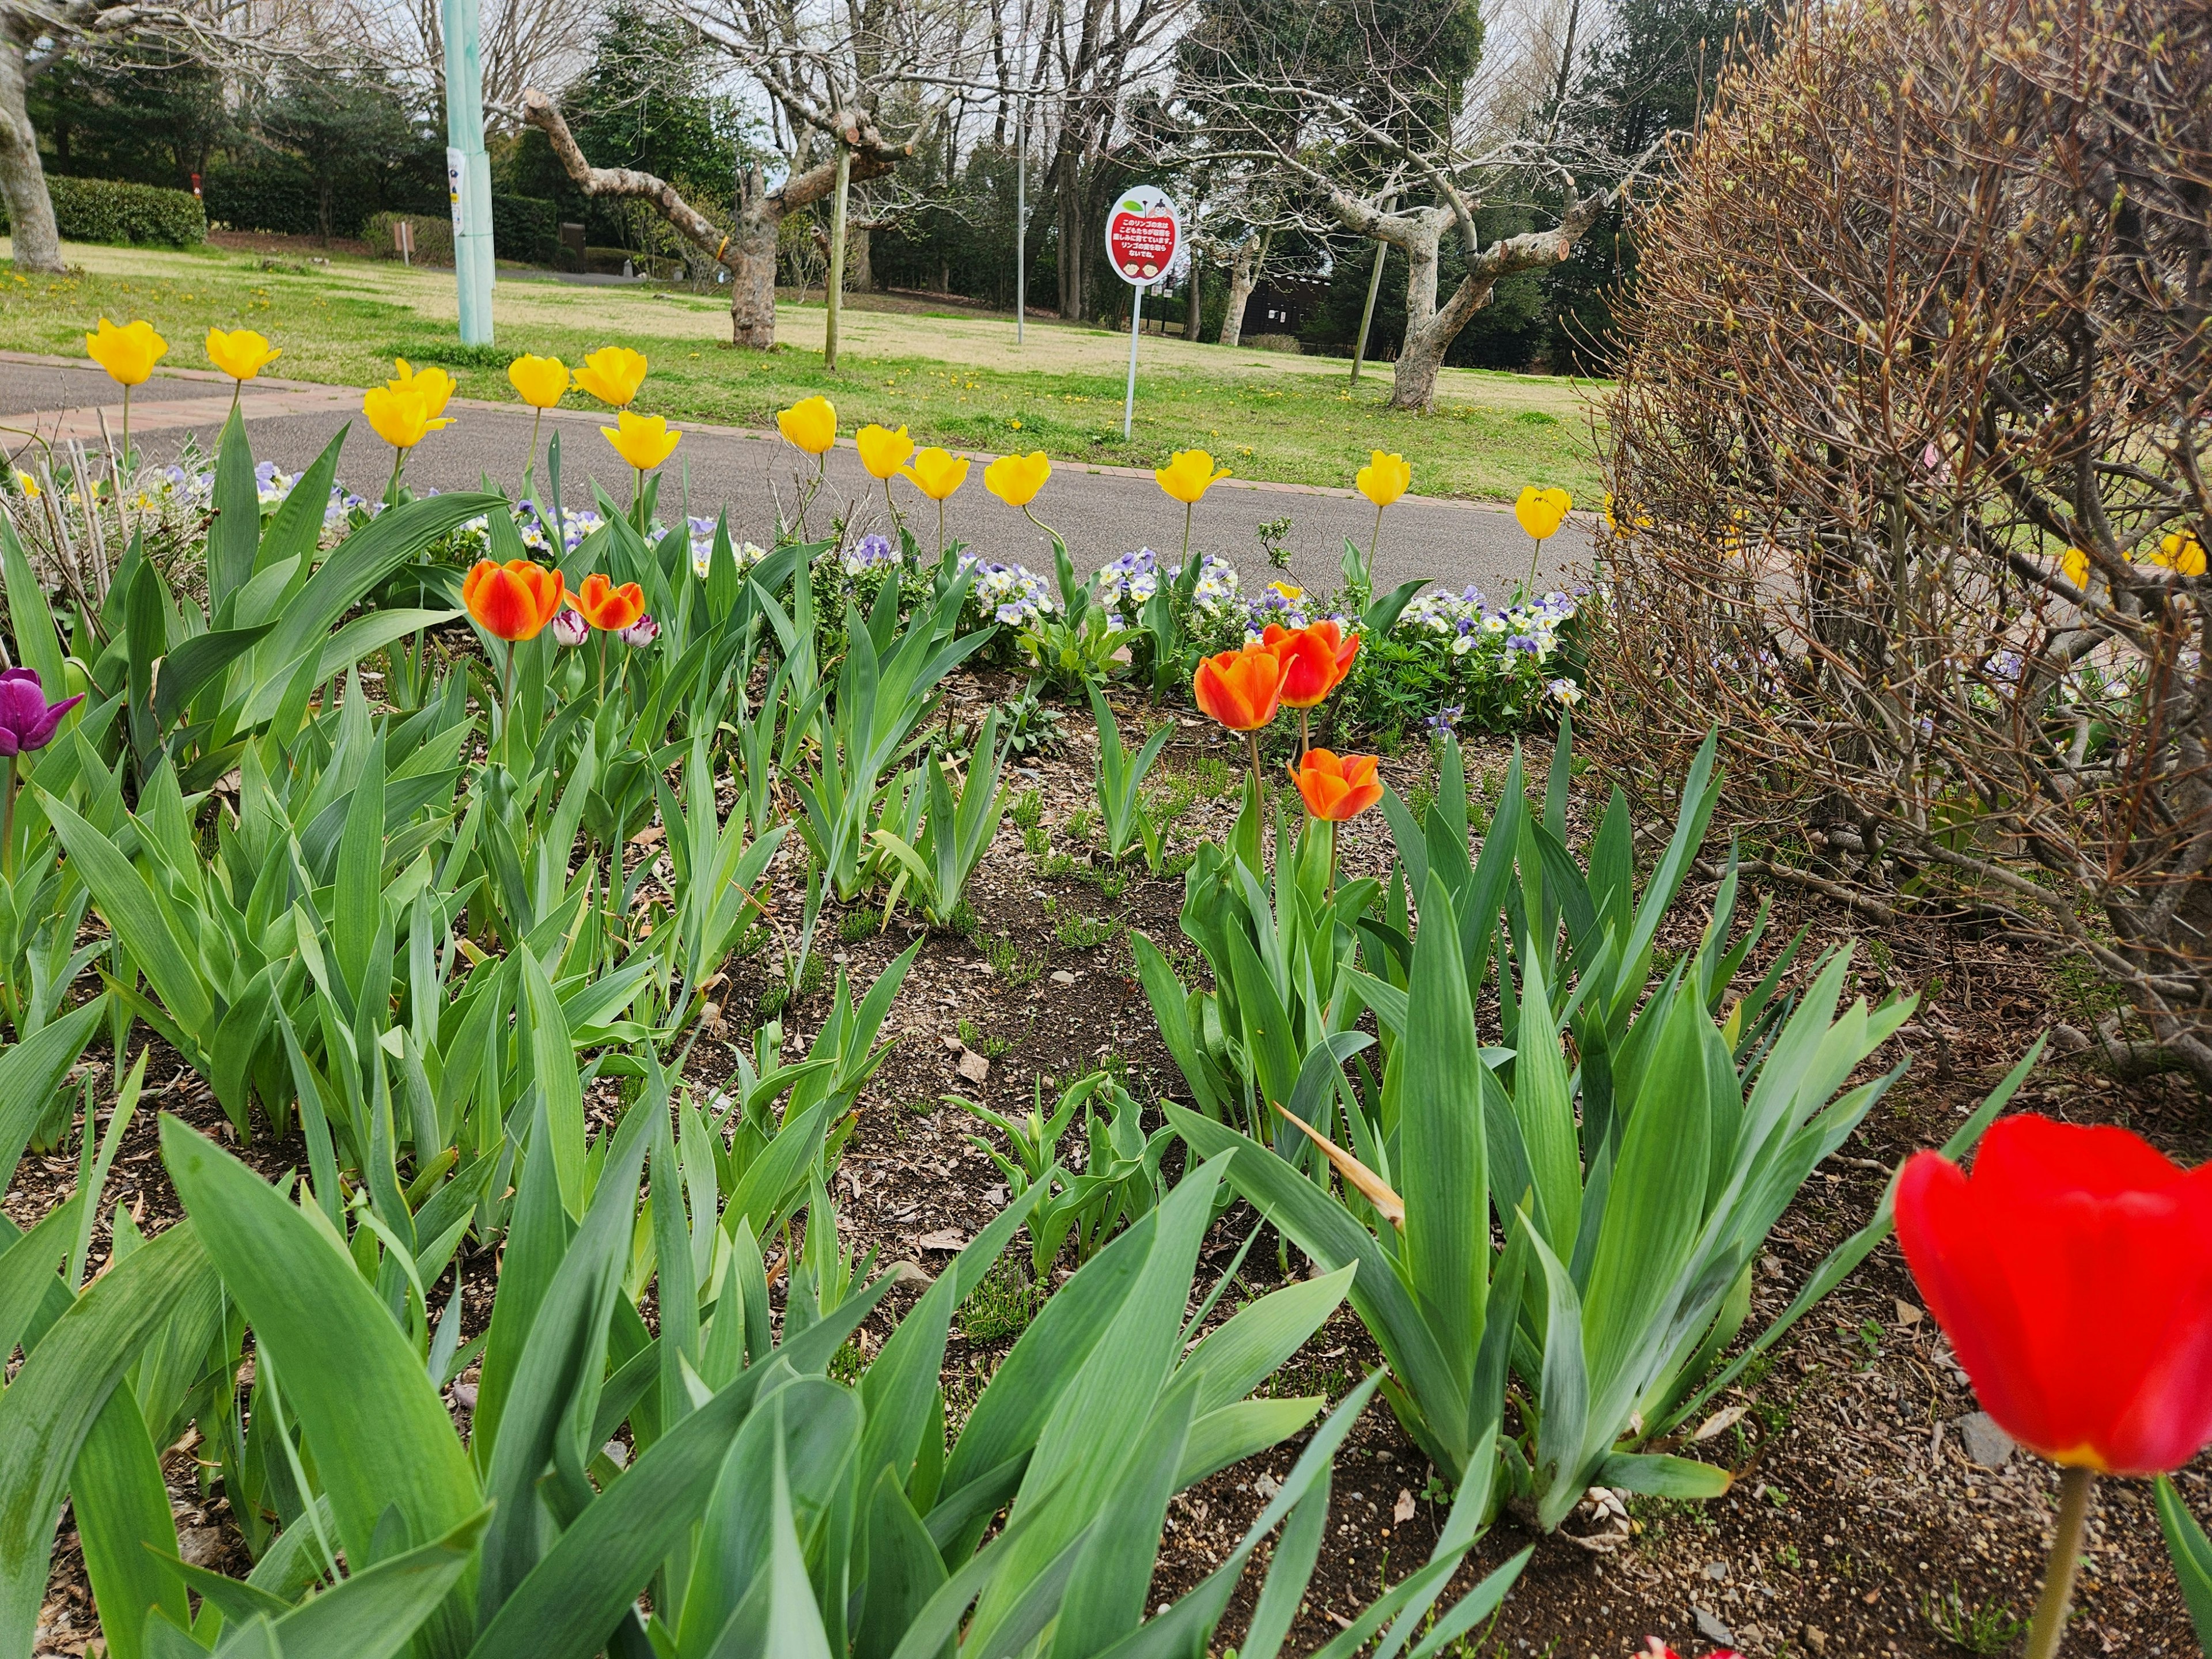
(2072, 1271)
(1337, 787)
(1240, 689)
(514, 600)
(606, 607)
(1314, 658)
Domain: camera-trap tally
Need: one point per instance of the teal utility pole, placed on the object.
(468, 169)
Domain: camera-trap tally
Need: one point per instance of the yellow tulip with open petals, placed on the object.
(401, 416)
(432, 384)
(538, 381)
(938, 472)
(883, 450)
(613, 375)
(129, 352)
(1016, 479)
(241, 353)
(644, 440)
(2180, 552)
(809, 424)
(1541, 511)
(1385, 478)
(1188, 475)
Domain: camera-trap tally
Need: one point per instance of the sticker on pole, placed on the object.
(457, 175)
(1143, 236)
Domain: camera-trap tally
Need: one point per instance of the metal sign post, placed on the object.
(1143, 237)
(468, 169)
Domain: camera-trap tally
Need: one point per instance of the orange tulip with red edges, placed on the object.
(1240, 689)
(512, 601)
(2072, 1270)
(1336, 787)
(606, 607)
(1316, 659)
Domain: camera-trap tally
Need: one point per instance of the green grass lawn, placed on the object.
(956, 378)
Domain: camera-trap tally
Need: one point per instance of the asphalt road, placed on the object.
(1103, 512)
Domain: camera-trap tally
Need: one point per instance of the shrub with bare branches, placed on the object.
(1909, 457)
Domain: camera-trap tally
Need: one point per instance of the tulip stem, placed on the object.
(507, 694)
(1374, 542)
(1305, 742)
(236, 386)
(1528, 587)
(530, 472)
(392, 489)
(602, 633)
(940, 529)
(1258, 782)
(2074, 1485)
(1188, 508)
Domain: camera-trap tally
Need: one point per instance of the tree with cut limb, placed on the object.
(747, 250)
(1374, 131)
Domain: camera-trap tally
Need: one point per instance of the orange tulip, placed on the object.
(1337, 786)
(512, 601)
(606, 607)
(1240, 689)
(1315, 659)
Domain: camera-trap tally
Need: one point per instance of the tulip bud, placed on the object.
(640, 634)
(570, 630)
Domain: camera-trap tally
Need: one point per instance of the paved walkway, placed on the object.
(1103, 511)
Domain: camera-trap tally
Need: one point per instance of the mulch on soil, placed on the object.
(1859, 1522)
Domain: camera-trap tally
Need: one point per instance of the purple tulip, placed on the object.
(569, 629)
(27, 720)
(640, 633)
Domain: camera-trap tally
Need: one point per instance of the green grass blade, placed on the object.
(2192, 1558)
(122, 1520)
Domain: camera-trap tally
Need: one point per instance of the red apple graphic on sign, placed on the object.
(1142, 234)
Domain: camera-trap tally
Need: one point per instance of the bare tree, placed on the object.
(36, 33)
(525, 43)
(1380, 132)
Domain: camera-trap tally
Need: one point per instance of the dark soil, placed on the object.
(1857, 1524)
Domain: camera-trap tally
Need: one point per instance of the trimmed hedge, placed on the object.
(109, 210)
(274, 197)
(525, 227)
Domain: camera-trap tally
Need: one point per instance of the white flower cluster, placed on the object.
(1124, 584)
(1012, 595)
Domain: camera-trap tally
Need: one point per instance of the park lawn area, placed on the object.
(953, 377)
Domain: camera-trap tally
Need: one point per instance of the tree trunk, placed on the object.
(1244, 277)
(860, 274)
(751, 260)
(1068, 209)
(38, 244)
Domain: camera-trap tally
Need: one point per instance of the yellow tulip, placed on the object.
(613, 375)
(809, 424)
(1188, 475)
(883, 450)
(1385, 478)
(241, 354)
(433, 385)
(937, 473)
(1543, 510)
(28, 484)
(401, 416)
(1016, 479)
(129, 352)
(539, 381)
(2074, 565)
(644, 440)
(2181, 553)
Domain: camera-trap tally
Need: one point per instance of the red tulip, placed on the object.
(1315, 659)
(1337, 787)
(606, 607)
(1240, 689)
(514, 600)
(2072, 1271)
